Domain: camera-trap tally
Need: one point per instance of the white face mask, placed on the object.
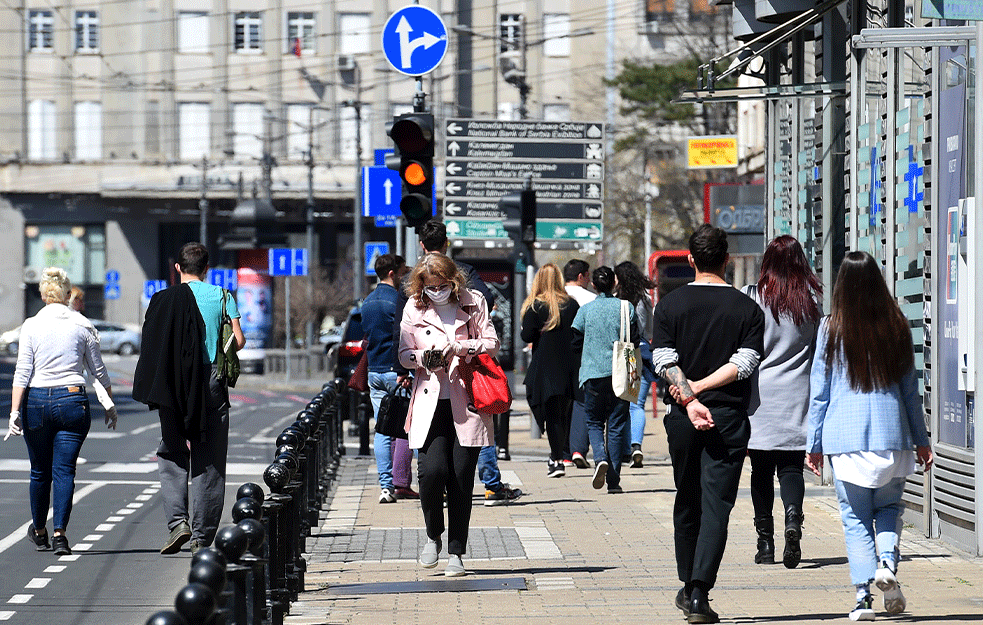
(438, 295)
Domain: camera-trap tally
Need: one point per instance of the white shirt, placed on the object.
(580, 294)
(55, 345)
(872, 469)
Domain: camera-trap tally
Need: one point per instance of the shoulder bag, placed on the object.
(360, 376)
(227, 358)
(487, 385)
(625, 359)
(391, 420)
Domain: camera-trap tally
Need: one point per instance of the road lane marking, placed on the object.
(5, 615)
(126, 467)
(134, 505)
(18, 534)
(125, 511)
(55, 568)
(71, 558)
(114, 519)
(105, 527)
(144, 428)
(92, 537)
(38, 582)
(19, 599)
(82, 547)
(143, 497)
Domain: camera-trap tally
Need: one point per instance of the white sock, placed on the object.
(863, 590)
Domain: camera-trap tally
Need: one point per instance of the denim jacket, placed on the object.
(378, 315)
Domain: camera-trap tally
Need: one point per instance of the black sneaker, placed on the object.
(503, 454)
(40, 540)
(60, 544)
(682, 601)
(178, 536)
(700, 612)
(555, 469)
(636, 456)
(600, 472)
(506, 494)
(864, 610)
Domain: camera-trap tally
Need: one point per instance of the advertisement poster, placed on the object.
(255, 299)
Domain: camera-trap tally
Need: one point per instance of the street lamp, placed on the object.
(350, 64)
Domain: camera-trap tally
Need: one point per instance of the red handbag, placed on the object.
(487, 385)
(360, 377)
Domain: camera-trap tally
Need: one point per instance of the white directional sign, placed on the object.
(414, 40)
(487, 159)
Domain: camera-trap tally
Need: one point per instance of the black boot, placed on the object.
(793, 534)
(765, 526)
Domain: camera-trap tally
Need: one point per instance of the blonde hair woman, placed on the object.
(49, 406)
(443, 324)
(547, 316)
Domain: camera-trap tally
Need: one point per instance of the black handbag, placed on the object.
(391, 420)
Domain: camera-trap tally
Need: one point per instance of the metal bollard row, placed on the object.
(256, 567)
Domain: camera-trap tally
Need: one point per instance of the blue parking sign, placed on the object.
(225, 278)
(152, 286)
(287, 261)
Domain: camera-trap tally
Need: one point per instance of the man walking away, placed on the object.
(177, 374)
(708, 339)
(576, 275)
(378, 313)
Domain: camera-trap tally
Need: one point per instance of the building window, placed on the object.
(510, 31)
(41, 28)
(247, 123)
(700, 10)
(88, 131)
(556, 112)
(300, 119)
(86, 31)
(556, 34)
(660, 10)
(300, 28)
(42, 126)
(192, 32)
(348, 132)
(248, 32)
(194, 130)
(354, 35)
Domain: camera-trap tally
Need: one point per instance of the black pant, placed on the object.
(443, 464)
(706, 467)
(555, 414)
(764, 463)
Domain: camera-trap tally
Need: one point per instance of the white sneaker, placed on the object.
(430, 554)
(387, 496)
(887, 582)
(455, 567)
(864, 610)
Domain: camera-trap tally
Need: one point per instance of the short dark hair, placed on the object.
(433, 235)
(708, 246)
(386, 263)
(193, 259)
(603, 280)
(574, 268)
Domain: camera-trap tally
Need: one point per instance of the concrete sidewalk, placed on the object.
(566, 553)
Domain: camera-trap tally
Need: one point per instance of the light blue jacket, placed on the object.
(596, 327)
(842, 420)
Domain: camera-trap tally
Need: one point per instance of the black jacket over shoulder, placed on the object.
(171, 370)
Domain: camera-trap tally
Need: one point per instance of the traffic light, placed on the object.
(413, 137)
(252, 225)
(520, 214)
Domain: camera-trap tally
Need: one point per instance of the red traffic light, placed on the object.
(414, 174)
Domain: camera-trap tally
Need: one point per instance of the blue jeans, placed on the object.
(380, 385)
(605, 409)
(56, 423)
(637, 409)
(488, 471)
(871, 525)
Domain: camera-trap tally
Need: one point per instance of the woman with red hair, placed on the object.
(788, 292)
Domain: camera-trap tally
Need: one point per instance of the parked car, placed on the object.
(113, 338)
(351, 346)
(117, 339)
(331, 338)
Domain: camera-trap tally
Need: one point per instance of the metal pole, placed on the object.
(286, 306)
(977, 255)
(359, 265)
(310, 228)
(648, 227)
(203, 204)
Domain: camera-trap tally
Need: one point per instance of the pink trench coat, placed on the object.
(421, 330)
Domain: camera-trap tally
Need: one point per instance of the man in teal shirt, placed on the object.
(595, 329)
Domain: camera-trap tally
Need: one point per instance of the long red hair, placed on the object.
(787, 285)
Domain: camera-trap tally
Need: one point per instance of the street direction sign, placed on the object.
(414, 40)
(225, 278)
(381, 192)
(286, 261)
(487, 159)
(373, 250)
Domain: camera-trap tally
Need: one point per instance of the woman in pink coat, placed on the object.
(443, 324)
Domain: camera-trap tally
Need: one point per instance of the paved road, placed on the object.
(116, 574)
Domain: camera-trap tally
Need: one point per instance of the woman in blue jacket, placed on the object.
(866, 415)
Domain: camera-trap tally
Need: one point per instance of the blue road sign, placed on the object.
(112, 277)
(225, 278)
(373, 250)
(380, 156)
(381, 192)
(111, 291)
(414, 40)
(288, 261)
(385, 221)
(152, 286)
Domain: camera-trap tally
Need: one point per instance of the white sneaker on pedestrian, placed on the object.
(864, 610)
(387, 496)
(455, 567)
(887, 582)
(430, 553)
(600, 472)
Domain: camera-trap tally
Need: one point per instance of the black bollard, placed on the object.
(196, 603)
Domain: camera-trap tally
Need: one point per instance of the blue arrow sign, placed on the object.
(414, 40)
(381, 192)
(287, 261)
(373, 250)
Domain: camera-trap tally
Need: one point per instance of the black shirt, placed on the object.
(706, 325)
